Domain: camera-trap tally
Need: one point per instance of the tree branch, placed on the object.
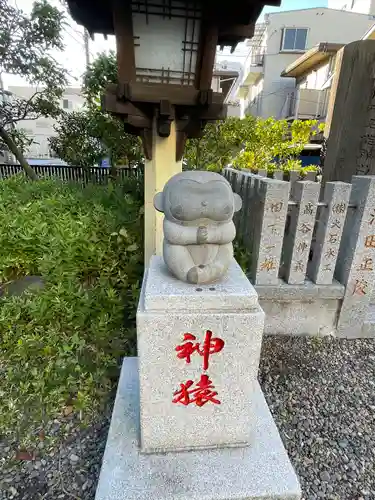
(18, 154)
(28, 103)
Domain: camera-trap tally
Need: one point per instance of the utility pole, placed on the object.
(87, 50)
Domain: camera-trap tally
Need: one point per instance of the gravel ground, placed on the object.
(321, 393)
(67, 472)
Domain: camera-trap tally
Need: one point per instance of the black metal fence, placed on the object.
(96, 175)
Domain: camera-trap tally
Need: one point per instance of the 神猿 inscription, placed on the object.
(202, 393)
(204, 390)
(210, 346)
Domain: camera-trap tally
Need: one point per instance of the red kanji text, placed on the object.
(203, 393)
(210, 346)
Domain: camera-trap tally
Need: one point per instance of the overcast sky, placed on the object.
(73, 57)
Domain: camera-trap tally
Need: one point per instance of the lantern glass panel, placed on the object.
(166, 39)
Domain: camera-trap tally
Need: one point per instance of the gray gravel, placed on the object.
(321, 393)
(70, 471)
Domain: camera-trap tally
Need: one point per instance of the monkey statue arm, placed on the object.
(176, 234)
(192, 235)
(221, 235)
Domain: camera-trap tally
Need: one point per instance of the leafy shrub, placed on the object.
(61, 345)
(292, 164)
(221, 141)
(311, 168)
(275, 144)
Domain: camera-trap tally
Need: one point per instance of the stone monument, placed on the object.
(190, 421)
(350, 123)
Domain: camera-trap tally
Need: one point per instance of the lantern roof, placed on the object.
(233, 17)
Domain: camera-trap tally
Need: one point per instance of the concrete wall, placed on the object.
(316, 78)
(42, 128)
(254, 106)
(234, 109)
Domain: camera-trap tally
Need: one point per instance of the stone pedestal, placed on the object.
(222, 325)
(190, 421)
(258, 472)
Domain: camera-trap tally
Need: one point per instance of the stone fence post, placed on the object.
(298, 240)
(329, 232)
(355, 265)
(269, 230)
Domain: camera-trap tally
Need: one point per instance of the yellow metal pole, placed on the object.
(157, 172)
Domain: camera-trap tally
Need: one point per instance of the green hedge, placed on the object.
(61, 346)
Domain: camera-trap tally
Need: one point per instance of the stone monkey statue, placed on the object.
(198, 228)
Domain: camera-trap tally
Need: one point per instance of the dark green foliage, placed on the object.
(242, 255)
(61, 345)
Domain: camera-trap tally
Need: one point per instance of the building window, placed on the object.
(67, 104)
(294, 39)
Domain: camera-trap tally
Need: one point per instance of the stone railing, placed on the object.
(311, 261)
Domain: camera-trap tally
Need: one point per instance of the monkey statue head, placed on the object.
(198, 195)
(198, 228)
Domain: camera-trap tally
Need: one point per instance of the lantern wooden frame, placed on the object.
(190, 103)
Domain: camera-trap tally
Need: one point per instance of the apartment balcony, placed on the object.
(253, 71)
(307, 104)
(254, 66)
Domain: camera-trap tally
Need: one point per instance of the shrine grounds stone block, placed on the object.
(190, 421)
(306, 309)
(202, 340)
(261, 471)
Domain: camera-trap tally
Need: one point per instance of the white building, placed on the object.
(360, 6)
(225, 79)
(279, 41)
(42, 128)
(313, 72)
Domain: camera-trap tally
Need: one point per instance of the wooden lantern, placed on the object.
(165, 53)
